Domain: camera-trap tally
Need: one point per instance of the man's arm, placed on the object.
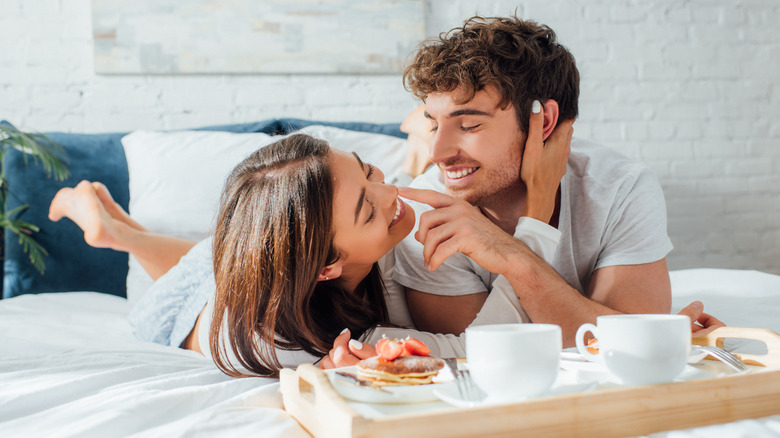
(548, 298)
(633, 288)
(438, 313)
(443, 313)
(545, 296)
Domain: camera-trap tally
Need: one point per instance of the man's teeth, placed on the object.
(460, 173)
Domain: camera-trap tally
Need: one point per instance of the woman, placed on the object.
(286, 267)
(300, 234)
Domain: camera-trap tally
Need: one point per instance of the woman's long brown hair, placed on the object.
(273, 236)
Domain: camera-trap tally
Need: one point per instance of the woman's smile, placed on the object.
(400, 211)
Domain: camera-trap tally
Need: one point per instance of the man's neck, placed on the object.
(505, 210)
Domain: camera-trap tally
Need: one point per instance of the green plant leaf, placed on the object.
(34, 251)
(41, 150)
(24, 231)
(39, 147)
(15, 211)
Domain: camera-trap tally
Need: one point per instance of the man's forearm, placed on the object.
(441, 313)
(548, 298)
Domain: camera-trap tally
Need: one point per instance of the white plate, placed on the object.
(394, 394)
(449, 394)
(572, 359)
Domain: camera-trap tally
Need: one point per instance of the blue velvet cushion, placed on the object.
(72, 265)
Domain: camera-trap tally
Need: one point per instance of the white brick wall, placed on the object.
(690, 87)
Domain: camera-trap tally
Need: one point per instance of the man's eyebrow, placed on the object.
(462, 112)
(469, 112)
(362, 191)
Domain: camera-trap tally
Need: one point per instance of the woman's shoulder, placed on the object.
(198, 256)
(204, 246)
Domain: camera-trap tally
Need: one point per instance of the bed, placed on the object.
(69, 362)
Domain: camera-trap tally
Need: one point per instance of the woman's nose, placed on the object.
(386, 194)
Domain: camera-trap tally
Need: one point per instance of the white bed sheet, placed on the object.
(740, 298)
(70, 366)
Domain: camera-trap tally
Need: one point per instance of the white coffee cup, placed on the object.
(513, 361)
(640, 349)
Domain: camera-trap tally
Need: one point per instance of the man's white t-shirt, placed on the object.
(500, 307)
(612, 213)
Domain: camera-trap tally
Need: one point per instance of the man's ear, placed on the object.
(550, 110)
(330, 272)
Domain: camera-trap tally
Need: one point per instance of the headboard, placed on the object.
(72, 265)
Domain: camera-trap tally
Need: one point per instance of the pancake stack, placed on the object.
(404, 370)
(400, 362)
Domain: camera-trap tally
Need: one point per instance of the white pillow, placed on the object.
(383, 151)
(176, 177)
(175, 182)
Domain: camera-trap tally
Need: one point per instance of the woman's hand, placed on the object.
(543, 166)
(454, 225)
(701, 323)
(346, 352)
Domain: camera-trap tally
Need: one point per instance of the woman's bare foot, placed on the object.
(82, 205)
(115, 210)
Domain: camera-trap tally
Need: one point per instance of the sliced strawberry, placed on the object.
(414, 347)
(389, 349)
(593, 346)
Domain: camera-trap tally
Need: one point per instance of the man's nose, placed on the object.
(443, 146)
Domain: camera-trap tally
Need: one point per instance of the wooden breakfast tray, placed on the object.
(625, 411)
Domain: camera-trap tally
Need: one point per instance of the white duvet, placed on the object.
(70, 366)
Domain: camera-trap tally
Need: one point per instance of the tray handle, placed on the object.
(772, 340)
(309, 397)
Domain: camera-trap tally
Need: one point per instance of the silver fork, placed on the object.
(724, 356)
(467, 389)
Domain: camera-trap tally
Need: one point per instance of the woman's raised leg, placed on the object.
(107, 225)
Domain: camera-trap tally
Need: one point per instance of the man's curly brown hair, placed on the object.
(522, 59)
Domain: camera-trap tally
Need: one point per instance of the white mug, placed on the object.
(640, 349)
(513, 361)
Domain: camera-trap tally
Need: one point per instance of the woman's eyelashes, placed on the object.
(370, 170)
(372, 215)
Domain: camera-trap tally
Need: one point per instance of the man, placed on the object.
(479, 83)
(483, 85)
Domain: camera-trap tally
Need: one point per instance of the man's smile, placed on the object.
(460, 173)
